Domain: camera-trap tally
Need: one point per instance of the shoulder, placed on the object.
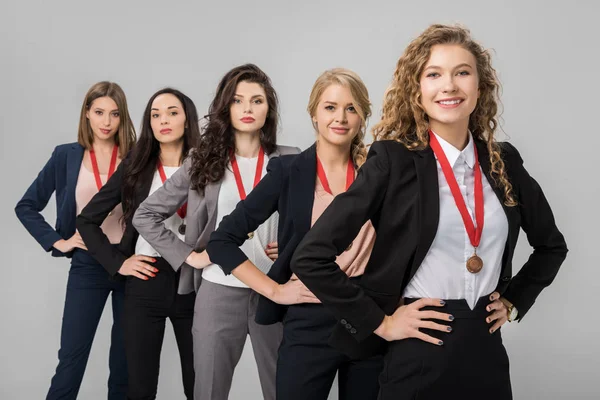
(509, 153)
(390, 151)
(287, 150)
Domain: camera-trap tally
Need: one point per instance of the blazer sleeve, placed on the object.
(92, 217)
(149, 218)
(549, 246)
(34, 200)
(314, 259)
(224, 245)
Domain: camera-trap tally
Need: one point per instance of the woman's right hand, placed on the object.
(408, 319)
(136, 266)
(65, 246)
(293, 292)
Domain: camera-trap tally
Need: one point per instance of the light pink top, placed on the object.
(354, 260)
(85, 190)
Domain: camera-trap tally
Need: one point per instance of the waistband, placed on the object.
(459, 308)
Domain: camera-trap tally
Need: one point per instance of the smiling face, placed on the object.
(167, 118)
(336, 116)
(104, 118)
(449, 86)
(249, 107)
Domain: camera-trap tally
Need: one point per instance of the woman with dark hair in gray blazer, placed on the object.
(230, 160)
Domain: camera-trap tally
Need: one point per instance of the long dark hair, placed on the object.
(210, 159)
(147, 149)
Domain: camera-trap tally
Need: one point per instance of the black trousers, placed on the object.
(147, 306)
(307, 364)
(472, 364)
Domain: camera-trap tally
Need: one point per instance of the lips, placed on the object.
(105, 131)
(247, 120)
(339, 131)
(166, 130)
(450, 103)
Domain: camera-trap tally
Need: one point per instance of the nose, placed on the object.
(164, 119)
(340, 115)
(107, 119)
(449, 85)
(248, 108)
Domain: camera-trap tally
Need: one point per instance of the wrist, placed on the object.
(382, 330)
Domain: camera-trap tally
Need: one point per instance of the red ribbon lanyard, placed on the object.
(323, 177)
(473, 232)
(111, 168)
(238, 176)
(163, 177)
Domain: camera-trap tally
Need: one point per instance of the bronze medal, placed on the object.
(349, 246)
(182, 229)
(474, 264)
(250, 235)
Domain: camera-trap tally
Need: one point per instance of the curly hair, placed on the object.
(404, 119)
(147, 149)
(352, 81)
(211, 157)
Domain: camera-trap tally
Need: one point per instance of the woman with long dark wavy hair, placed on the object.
(238, 139)
(169, 130)
(447, 201)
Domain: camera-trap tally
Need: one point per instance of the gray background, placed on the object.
(51, 52)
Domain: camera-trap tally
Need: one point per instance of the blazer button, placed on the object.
(343, 322)
(348, 326)
(353, 331)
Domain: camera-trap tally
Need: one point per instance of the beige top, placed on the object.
(354, 260)
(85, 190)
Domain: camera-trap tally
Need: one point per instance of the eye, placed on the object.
(329, 108)
(173, 113)
(237, 101)
(463, 73)
(433, 75)
(98, 112)
(258, 101)
(115, 115)
(154, 115)
(351, 109)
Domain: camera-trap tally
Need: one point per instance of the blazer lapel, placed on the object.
(302, 189)
(429, 203)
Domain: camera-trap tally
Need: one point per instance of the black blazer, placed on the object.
(111, 257)
(288, 188)
(398, 191)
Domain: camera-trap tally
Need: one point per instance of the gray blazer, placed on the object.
(200, 220)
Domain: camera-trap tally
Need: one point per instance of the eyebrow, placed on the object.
(458, 66)
(335, 104)
(168, 108)
(102, 109)
(256, 95)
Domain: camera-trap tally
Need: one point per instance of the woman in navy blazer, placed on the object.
(105, 135)
(339, 107)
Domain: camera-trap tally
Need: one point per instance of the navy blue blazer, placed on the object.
(288, 188)
(59, 176)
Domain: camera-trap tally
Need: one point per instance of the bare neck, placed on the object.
(103, 146)
(247, 144)
(170, 153)
(455, 134)
(332, 156)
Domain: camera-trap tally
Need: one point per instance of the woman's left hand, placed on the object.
(272, 251)
(498, 312)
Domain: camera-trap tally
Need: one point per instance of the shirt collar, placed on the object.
(453, 154)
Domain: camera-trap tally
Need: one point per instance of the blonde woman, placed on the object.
(300, 187)
(76, 172)
(447, 202)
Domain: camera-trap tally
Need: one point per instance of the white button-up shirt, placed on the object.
(443, 273)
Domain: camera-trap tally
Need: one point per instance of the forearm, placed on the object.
(249, 274)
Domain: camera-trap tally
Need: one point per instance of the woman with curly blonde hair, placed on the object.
(447, 202)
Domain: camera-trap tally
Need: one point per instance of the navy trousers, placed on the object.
(88, 289)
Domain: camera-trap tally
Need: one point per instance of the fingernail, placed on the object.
(449, 329)
(451, 318)
(491, 331)
(488, 320)
(442, 302)
(489, 309)
(441, 342)
(154, 259)
(268, 246)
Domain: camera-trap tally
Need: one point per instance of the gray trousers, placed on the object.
(223, 318)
